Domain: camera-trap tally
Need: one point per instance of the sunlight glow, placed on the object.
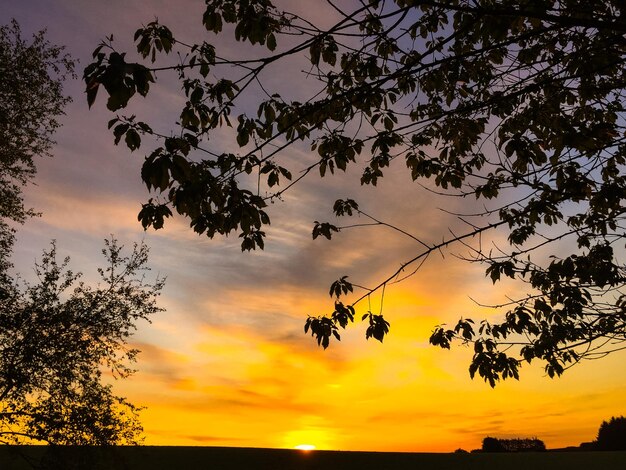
(305, 447)
(313, 430)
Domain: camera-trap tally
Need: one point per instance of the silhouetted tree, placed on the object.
(492, 444)
(517, 104)
(612, 434)
(57, 339)
(31, 100)
(58, 336)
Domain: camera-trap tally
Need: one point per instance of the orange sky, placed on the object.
(228, 364)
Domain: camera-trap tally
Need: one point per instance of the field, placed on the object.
(221, 458)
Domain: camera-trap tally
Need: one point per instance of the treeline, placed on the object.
(492, 444)
(611, 437)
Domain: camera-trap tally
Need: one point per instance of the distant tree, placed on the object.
(58, 339)
(492, 444)
(517, 104)
(612, 434)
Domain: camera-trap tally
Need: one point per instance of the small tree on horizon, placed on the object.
(612, 434)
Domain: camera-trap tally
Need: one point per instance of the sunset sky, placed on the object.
(227, 363)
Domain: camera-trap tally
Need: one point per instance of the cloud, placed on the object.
(211, 439)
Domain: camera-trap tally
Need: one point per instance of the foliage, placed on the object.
(518, 105)
(59, 340)
(492, 444)
(612, 434)
(31, 100)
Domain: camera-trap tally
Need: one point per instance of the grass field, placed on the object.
(224, 458)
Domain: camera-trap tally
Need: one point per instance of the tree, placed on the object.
(516, 104)
(31, 100)
(493, 444)
(58, 338)
(612, 434)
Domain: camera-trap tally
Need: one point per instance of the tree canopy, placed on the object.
(60, 338)
(31, 100)
(516, 104)
(612, 434)
(493, 444)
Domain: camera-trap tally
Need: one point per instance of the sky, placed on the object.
(227, 363)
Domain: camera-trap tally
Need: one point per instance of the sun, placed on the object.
(310, 436)
(305, 447)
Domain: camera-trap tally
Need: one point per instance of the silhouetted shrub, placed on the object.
(612, 434)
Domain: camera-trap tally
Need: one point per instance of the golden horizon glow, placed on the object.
(305, 447)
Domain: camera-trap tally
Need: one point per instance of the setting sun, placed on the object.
(314, 433)
(305, 447)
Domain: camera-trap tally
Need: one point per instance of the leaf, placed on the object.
(340, 286)
(271, 42)
(92, 92)
(324, 228)
(315, 51)
(133, 140)
(378, 328)
(343, 207)
(119, 131)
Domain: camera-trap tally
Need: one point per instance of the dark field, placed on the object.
(221, 458)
